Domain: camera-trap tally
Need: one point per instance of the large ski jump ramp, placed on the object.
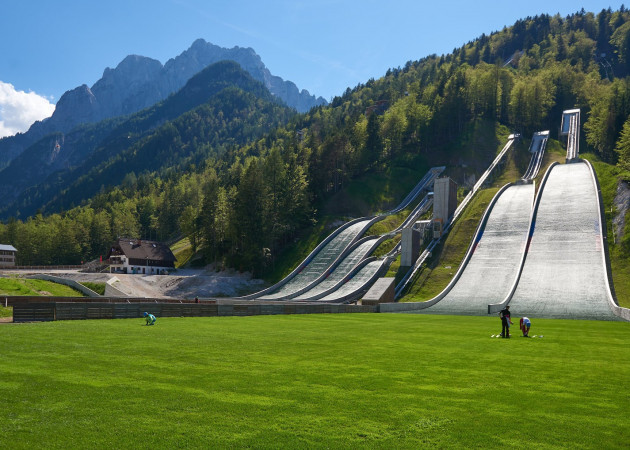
(564, 275)
(496, 258)
(331, 251)
(320, 262)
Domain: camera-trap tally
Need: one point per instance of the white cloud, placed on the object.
(19, 109)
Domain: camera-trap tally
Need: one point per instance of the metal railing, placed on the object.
(537, 148)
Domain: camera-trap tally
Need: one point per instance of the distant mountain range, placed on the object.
(139, 82)
(219, 107)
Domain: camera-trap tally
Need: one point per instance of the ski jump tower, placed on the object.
(571, 128)
(444, 204)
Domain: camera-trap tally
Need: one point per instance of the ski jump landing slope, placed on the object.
(342, 283)
(330, 251)
(320, 262)
(496, 256)
(564, 275)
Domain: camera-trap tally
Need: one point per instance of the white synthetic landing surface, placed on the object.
(564, 274)
(492, 269)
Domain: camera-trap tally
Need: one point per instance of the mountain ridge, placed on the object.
(138, 82)
(245, 204)
(64, 159)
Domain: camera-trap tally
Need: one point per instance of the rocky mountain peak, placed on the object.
(132, 68)
(138, 82)
(77, 106)
(129, 87)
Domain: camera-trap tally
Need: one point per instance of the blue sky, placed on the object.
(323, 46)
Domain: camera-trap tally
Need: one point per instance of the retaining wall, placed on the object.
(37, 312)
(111, 291)
(73, 284)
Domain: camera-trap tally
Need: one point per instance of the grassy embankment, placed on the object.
(29, 286)
(618, 240)
(406, 381)
(99, 288)
(448, 255)
(6, 312)
(182, 250)
(471, 154)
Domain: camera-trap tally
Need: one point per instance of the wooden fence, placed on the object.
(18, 300)
(37, 312)
(34, 312)
(71, 267)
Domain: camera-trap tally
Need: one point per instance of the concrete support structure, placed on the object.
(571, 129)
(382, 291)
(410, 246)
(444, 203)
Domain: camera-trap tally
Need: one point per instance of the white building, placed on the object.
(139, 256)
(8, 253)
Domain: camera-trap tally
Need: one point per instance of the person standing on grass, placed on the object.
(525, 323)
(505, 322)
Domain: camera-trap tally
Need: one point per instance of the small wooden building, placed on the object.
(138, 256)
(8, 253)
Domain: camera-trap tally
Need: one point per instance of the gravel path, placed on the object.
(186, 283)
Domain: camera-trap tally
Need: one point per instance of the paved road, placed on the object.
(564, 273)
(493, 266)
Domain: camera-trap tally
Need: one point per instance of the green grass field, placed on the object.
(314, 381)
(618, 240)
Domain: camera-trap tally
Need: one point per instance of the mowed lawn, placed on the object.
(314, 381)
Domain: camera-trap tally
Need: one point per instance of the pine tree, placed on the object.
(248, 217)
(623, 145)
(373, 142)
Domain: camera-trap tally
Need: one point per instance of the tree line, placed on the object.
(242, 203)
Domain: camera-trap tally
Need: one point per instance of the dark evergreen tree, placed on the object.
(373, 142)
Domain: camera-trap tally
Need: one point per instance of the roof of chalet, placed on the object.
(9, 248)
(142, 249)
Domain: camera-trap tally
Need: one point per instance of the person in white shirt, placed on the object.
(525, 323)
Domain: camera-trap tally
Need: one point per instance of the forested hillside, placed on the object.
(139, 82)
(243, 202)
(219, 108)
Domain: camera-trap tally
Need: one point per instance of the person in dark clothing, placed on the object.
(505, 322)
